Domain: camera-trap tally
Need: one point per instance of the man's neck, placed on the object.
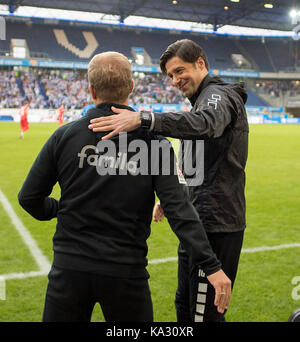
(99, 101)
(194, 97)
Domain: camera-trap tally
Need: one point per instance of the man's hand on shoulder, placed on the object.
(125, 121)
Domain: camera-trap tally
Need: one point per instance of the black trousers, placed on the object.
(71, 296)
(194, 299)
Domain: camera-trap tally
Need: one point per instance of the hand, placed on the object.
(126, 121)
(158, 213)
(222, 285)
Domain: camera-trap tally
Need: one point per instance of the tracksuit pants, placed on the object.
(194, 300)
(71, 296)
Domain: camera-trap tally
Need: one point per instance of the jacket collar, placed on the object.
(202, 85)
(104, 109)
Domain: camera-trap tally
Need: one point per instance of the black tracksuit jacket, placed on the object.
(219, 118)
(103, 221)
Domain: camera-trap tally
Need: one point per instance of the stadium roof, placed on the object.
(248, 13)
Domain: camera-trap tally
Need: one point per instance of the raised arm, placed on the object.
(207, 119)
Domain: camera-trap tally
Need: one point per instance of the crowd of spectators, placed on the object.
(32, 90)
(154, 88)
(48, 88)
(51, 88)
(44, 89)
(277, 88)
(68, 88)
(10, 96)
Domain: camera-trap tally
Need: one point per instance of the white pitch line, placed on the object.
(160, 261)
(44, 264)
(39, 257)
(32, 274)
(153, 261)
(270, 248)
(246, 250)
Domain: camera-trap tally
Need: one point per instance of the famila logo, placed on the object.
(107, 163)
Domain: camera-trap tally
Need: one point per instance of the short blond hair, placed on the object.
(110, 75)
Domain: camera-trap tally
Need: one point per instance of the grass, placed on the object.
(263, 288)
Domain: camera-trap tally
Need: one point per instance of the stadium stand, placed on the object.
(51, 88)
(47, 88)
(66, 41)
(87, 52)
(256, 49)
(9, 90)
(255, 100)
(63, 42)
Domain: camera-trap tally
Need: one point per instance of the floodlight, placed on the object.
(293, 13)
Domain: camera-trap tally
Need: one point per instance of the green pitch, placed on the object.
(263, 290)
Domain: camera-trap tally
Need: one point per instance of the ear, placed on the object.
(132, 86)
(93, 92)
(200, 63)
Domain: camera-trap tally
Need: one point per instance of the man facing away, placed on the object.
(105, 210)
(218, 118)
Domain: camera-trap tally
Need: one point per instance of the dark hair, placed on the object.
(185, 49)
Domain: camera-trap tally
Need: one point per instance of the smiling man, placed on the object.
(186, 76)
(218, 117)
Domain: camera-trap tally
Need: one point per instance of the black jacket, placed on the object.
(219, 118)
(103, 221)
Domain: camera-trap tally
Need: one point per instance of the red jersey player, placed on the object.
(24, 119)
(61, 111)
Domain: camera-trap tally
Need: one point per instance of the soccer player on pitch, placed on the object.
(24, 119)
(61, 111)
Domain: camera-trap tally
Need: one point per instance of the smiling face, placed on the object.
(186, 76)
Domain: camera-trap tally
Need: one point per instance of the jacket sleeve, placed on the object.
(211, 114)
(184, 220)
(34, 194)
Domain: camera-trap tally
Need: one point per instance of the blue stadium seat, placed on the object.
(254, 100)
